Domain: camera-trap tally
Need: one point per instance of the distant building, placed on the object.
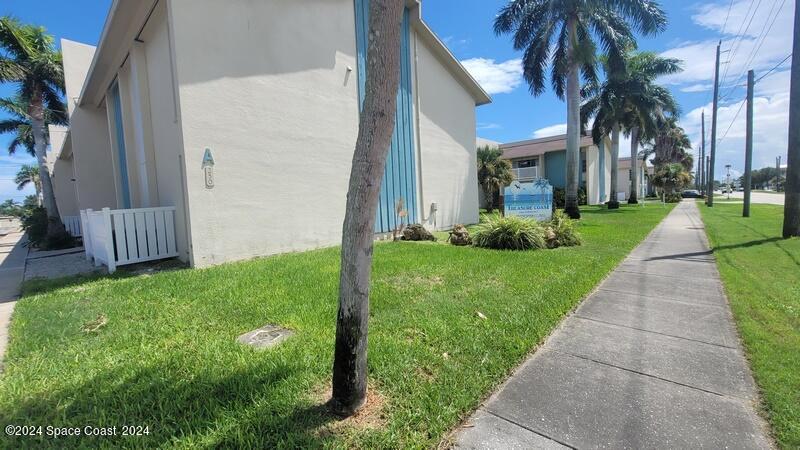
(547, 158)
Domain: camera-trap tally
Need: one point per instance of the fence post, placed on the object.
(87, 233)
(109, 241)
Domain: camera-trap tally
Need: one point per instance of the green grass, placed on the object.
(167, 357)
(761, 273)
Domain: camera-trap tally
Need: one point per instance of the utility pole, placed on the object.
(748, 145)
(703, 151)
(778, 176)
(791, 209)
(710, 198)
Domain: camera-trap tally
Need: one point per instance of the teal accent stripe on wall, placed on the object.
(399, 179)
(122, 160)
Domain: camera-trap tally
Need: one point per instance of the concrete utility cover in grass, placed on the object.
(265, 337)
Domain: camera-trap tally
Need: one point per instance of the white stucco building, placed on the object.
(270, 91)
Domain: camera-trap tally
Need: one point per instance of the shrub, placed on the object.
(35, 225)
(510, 233)
(417, 232)
(459, 236)
(563, 231)
(560, 197)
(673, 197)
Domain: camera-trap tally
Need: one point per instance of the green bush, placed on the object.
(673, 197)
(510, 233)
(560, 197)
(564, 231)
(35, 225)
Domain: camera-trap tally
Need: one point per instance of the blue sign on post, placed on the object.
(531, 200)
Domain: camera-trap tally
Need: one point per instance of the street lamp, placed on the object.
(728, 180)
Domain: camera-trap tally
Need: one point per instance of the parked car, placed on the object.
(691, 193)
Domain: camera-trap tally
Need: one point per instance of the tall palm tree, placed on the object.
(494, 173)
(29, 174)
(29, 61)
(628, 101)
(563, 35)
(19, 124)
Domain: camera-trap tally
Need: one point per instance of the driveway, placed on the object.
(12, 268)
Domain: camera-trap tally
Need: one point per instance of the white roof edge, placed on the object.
(455, 66)
(99, 49)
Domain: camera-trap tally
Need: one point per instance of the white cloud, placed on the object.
(489, 126)
(698, 88)
(770, 126)
(749, 52)
(552, 130)
(495, 77)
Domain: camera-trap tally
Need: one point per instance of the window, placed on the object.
(630, 175)
(527, 163)
(583, 165)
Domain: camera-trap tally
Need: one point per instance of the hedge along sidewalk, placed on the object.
(168, 356)
(761, 274)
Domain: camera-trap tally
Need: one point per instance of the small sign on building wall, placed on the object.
(208, 169)
(531, 200)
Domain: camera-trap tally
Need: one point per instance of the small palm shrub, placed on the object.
(510, 233)
(563, 231)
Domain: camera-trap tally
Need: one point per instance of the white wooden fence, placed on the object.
(73, 225)
(128, 236)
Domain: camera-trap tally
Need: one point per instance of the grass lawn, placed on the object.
(167, 357)
(761, 273)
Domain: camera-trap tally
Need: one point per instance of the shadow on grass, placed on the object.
(44, 285)
(248, 407)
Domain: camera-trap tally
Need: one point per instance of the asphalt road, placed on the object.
(761, 197)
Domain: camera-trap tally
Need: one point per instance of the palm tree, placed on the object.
(494, 173)
(628, 100)
(29, 174)
(376, 126)
(29, 61)
(563, 34)
(19, 123)
(671, 177)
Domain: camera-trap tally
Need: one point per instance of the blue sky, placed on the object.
(466, 27)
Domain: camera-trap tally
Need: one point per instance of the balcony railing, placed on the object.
(128, 236)
(526, 173)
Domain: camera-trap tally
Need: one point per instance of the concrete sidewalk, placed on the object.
(650, 360)
(12, 269)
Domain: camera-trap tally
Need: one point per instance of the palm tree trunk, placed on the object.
(613, 203)
(633, 198)
(36, 111)
(376, 125)
(791, 208)
(573, 126)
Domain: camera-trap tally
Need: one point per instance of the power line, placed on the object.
(732, 122)
(774, 68)
(739, 36)
(756, 48)
(727, 16)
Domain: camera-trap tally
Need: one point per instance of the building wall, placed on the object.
(447, 155)
(275, 100)
(93, 169)
(592, 155)
(160, 156)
